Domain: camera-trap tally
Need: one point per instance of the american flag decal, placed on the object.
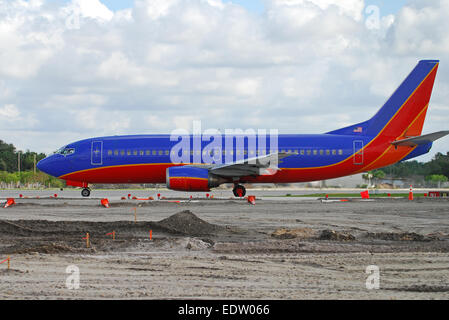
(358, 129)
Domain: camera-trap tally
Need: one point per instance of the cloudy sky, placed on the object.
(82, 68)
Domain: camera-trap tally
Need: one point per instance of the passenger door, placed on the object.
(97, 153)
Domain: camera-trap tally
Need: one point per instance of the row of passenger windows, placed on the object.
(301, 152)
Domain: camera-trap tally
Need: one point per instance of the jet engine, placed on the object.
(186, 178)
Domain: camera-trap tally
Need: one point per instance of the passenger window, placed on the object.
(340, 152)
(334, 152)
(142, 152)
(135, 152)
(109, 152)
(122, 152)
(315, 152)
(161, 152)
(167, 152)
(328, 152)
(128, 152)
(115, 152)
(321, 152)
(154, 152)
(148, 152)
(309, 152)
(301, 152)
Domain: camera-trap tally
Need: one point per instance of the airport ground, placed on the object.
(222, 248)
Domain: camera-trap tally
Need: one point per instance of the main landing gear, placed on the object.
(85, 192)
(239, 190)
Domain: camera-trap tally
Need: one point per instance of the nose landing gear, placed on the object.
(239, 190)
(85, 192)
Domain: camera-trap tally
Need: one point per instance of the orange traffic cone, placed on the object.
(410, 194)
(105, 202)
(365, 194)
(9, 202)
(252, 199)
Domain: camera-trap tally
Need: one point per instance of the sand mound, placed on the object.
(305, 233)
(405, 236)
(185, 222)
(8, 227)
(47, 248)
(336, 236)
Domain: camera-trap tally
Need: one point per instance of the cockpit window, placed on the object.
(65, 151)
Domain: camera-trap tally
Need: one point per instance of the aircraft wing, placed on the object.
(260, 165)
(414, 141)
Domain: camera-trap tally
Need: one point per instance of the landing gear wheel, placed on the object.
(239, 191)
(85, 192)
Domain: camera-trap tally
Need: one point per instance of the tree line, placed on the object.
(9, 158)
(9, 168)
(438, 166)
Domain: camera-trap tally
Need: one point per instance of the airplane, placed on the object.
(392, 135)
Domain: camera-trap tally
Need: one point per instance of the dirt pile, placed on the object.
(50, 248)
(405, 236)
(13, 228)
(303, 233)
(336, 236)
(186, 223)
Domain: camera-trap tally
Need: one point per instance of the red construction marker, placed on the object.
(111, 234)
(365, 194)
(7, 259)
(151, 234)
(105, 202)
(9, 202)
(87, 240)
(252, 199)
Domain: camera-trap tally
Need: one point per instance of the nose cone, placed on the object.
(55, 165)
(44, 165)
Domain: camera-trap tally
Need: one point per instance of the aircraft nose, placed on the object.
(43, 165)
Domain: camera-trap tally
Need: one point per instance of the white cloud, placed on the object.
(9, 111)
(79, 69)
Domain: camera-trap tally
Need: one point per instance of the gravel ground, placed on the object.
(223, 248)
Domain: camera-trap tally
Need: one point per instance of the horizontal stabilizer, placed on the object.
(414, 141)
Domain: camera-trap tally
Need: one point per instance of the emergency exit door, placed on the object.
(358, 152)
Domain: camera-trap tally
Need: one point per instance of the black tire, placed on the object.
(85, 192)
(239, 191)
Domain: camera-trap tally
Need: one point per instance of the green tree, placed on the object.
(436, 179)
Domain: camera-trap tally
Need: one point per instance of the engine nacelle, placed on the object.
(191, 179)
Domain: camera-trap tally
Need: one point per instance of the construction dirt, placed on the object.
(225, 249)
